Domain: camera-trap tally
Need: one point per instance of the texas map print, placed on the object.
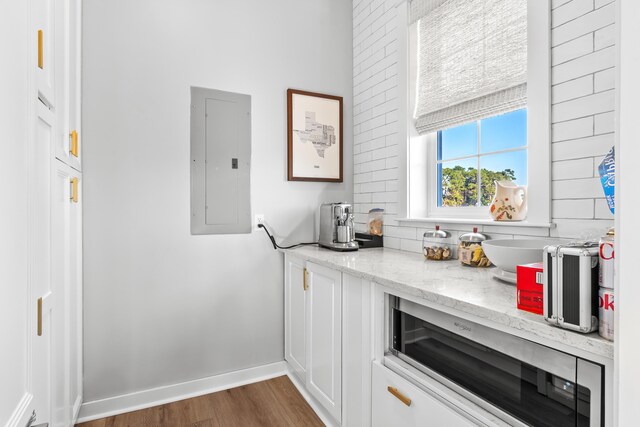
(320, 135)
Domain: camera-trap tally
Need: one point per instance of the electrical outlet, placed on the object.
(259, 219)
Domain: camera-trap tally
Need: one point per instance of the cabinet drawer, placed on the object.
(395, 401)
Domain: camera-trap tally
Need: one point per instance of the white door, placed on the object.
(396, 402)
(295, 314)
(66, 277)
(47, 343)
(74, 152)
(74, 297)
(324, 337)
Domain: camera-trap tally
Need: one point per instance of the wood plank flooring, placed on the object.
(275, 402)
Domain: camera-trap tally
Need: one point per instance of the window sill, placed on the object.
(480, 221)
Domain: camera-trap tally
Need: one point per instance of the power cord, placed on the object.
(277, 246)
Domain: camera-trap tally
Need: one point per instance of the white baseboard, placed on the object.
(325, 417)
(172, 393)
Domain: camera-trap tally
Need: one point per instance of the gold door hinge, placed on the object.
(40, 49)
(40, 316)
(74, 190)
(401, 397)
(305, 285)
(73, 149)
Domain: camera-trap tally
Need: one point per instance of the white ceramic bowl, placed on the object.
(506, 254)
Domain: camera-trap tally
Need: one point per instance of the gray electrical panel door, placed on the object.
(220, 162)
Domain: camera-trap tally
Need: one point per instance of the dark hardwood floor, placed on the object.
(275, 402)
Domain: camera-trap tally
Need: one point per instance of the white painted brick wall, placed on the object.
(583, 99)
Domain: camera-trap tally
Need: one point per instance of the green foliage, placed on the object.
(460, 185)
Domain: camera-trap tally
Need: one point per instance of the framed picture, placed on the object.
(314, 136)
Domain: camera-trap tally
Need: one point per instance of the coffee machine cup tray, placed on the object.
(366, 240)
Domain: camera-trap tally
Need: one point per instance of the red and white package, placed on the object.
(529, 293)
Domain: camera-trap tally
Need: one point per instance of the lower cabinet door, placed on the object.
(397, 402)
(66, 278)
(324, 332)
(295, 314)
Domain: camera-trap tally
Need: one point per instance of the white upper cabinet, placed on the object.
(69, 136)
(74, 132)
(44, 37)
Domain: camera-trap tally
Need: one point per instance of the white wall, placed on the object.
(582, 78)
(13, 211)
(162, 306)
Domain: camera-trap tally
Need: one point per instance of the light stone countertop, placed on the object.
(451, 284)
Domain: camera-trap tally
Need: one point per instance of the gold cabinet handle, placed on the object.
(74, 190)
(401, 397)
(74, 143)
(40, 49)
(40, 316)
(305, 285)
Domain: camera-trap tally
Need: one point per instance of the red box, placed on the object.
(529, 287)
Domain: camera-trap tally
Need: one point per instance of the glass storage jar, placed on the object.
(437, 245)
(470, 249)
(375, 221)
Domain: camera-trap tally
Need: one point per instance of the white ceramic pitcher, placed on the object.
(510, 202)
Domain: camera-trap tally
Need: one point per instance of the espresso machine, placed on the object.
(336, 227)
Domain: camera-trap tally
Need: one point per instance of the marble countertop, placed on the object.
(451, 284)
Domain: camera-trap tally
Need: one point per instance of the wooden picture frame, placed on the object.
(314, 145)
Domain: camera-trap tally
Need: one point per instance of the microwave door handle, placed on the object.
(589, 375)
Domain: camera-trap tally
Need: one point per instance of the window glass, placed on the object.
(458, 141)
(503, 132)
(459, 179)
(502, 157)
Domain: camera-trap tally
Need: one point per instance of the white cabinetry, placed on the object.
(66, 268)
(54, 334)
(327, 339)
(397, 402)
(73, 131)
(43, 26)
(357, 351)
(331, 330)
(45, 335)
(313, 330)
(67, 144)
(295, 316)
(324, 337)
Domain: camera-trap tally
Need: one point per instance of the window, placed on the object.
(479, 107)
(471, 157)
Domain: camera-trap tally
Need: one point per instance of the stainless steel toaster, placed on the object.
(336, 227)
(570, 286)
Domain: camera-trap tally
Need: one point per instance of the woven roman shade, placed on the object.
(472, 60)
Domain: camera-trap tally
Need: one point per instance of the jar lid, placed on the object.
(441, 234)
(473, 237)
(611, 232)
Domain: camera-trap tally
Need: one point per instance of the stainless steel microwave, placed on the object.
(519, 381)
